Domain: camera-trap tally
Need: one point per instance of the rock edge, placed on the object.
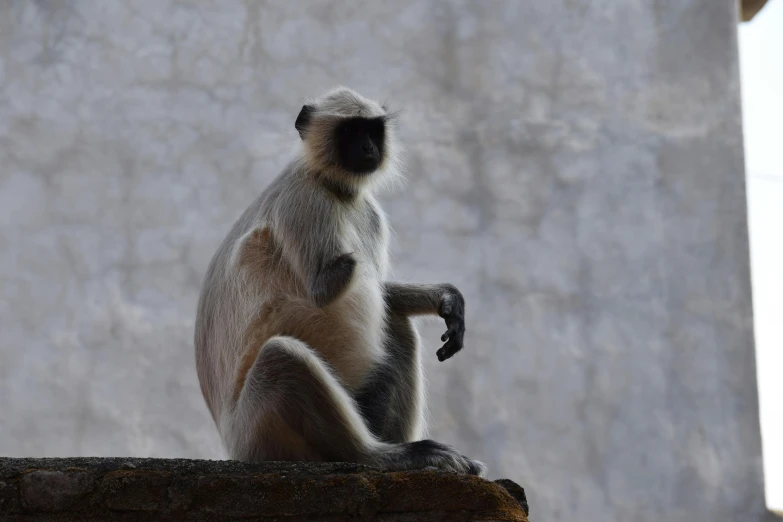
(182, 489)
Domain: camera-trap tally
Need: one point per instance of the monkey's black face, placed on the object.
(360, 144)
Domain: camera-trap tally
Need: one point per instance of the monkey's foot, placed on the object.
(427, 453)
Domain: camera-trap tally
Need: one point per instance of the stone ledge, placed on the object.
(178, 489)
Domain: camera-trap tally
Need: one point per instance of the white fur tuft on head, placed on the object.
(342, 101)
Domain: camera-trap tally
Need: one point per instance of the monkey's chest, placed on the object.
(353, 326)
(348, 333)
(368, 241)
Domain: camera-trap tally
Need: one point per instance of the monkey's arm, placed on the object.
(439, 299)
(332, 279)
(310, 239)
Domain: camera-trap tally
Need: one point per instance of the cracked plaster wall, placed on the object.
(575, 168)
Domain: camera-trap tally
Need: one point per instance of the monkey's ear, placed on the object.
(303, 120)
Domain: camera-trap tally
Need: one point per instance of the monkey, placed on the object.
(304, 351)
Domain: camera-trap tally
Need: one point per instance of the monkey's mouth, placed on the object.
(366, 165)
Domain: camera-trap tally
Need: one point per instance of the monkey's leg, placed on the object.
(391, 400)
(292, 408)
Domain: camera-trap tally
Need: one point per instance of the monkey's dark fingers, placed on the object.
(449, 349)
(451, 332)
(445, 353)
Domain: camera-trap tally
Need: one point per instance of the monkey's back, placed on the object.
(251, 293)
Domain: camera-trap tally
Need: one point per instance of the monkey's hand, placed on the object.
(333, 280)
(452, 309)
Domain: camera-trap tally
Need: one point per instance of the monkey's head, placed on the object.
(346, 136)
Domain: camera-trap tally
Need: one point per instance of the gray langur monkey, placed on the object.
(304, 351)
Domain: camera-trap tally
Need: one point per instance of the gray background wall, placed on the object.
(575, 167)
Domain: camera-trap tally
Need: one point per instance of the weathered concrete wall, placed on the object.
(575, 168)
